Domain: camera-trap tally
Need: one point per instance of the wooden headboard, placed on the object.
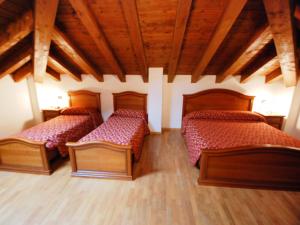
(83, 98)
(216, 99)
(130, 100)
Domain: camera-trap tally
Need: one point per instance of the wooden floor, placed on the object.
(165, 192)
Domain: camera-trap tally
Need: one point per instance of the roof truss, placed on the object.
(132, 19)
(230, 14)
(280, 20)
(44, 13)
(182, 16)
(89, 20)
(66, 45)
(16, 31)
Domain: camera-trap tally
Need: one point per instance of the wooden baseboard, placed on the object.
(102, 174)
(170, 129)
(154, 132)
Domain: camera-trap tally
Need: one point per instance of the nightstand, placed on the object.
(275, 121)
(49, 114)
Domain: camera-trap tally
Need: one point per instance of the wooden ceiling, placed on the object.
(122, 37)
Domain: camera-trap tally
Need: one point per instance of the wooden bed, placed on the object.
(21, 155)
(265, 166)
(107, 160)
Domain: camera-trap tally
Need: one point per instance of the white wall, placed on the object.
(16, 113)
(293, 122)
(164, 99)
(155, 98)
(278, 97)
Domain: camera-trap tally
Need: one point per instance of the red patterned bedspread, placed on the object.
(56, 132)
(209, 134)
(121, 130)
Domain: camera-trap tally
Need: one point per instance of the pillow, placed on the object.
(131, 113)
(226, 115)
(78, 111)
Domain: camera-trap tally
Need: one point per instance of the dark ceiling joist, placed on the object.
(280, 20)
(44, 14)
(53, 74)
(15, 60)
(132, 20)
(89, 20)
(263, 64)
(22, 72)
(66, 45)
(57, 63)
(230, 14)
(273, 76)
(16, 31)
(260, 39)
(182, 17)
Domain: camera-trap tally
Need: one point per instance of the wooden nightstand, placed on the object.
(275, 121)
(49, 114)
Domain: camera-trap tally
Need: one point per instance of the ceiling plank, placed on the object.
(132, 19)
(16, 31)
(15, 61)
(280, 20)
(230, 14)
(66, 45)
(260, 67)
(182, 17)
(59, 64)
(273, 76)
(260, 39)
(22, 72)
(89, 20)
(45, 13)
(53, 74)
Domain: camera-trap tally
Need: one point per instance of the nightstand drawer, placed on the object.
(49, 114)
(275, 121)
(276, 125)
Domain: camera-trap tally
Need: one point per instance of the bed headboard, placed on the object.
(83, 98)
(130, 100)
(216, 99)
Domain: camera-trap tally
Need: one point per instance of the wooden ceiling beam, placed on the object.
(66, 45)
(44, 14)
(53, 74)
(89, 20)
(59, 64)
(133, 24)
(182, 17)
(262, 65)
(16, 60)
(230, 14)
(260, 39)
(273, 76)
(16, 31)
(280, 20)
(22, 72)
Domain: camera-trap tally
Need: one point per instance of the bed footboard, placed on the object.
(269, 167)
(101, 160)
(20, 155)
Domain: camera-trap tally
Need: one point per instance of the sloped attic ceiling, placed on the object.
(198, 37)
